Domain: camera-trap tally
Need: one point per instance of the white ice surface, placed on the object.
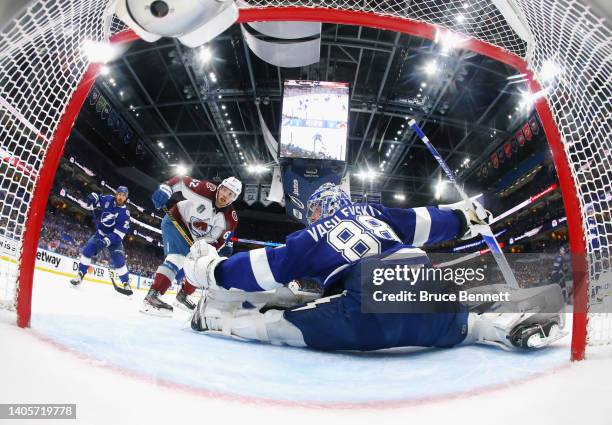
(92, 347)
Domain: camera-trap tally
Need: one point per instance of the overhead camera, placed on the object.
(159, 9)
(193, 22)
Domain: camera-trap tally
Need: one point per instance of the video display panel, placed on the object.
(314, 120)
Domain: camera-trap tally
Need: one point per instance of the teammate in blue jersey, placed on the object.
(112, 220)
(340, 237)
(558, 272)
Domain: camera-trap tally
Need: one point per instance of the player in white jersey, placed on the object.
(206, 214)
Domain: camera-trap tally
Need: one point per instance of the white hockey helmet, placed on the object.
(233, 184)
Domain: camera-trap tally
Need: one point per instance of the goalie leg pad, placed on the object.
(227, 318)
(281, 297)
(270, 327)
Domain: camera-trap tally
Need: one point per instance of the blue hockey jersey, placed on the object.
(325, 248)
(112, 220)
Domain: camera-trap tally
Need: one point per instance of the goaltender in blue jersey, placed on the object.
(324, 249)
(112, 219)
(342, 235)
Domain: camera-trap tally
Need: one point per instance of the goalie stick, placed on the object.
(483, 229)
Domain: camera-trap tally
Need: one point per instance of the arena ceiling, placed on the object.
(192, 111)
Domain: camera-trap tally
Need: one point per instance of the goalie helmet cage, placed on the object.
(45, 77)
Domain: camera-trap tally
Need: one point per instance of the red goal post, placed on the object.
(558, 30)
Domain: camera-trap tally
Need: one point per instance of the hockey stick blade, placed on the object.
(483, 229)
(121, 289)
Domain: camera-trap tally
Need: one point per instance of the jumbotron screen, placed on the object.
(315, 120)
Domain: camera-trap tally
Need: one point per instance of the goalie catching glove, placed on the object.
(200, 265)
(472, 214)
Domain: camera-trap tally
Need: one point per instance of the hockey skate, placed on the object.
(154, 306)
(540, 323)
(515, 330)
(77, 280)
(183, 302)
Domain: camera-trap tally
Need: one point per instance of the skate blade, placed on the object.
(539, 342)
(182, 307)
(220, 334)
(155, 312)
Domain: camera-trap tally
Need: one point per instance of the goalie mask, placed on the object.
(326, 201)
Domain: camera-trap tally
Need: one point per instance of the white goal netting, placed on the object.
(42, 62)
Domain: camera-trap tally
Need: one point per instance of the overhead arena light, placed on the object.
(181, 170)
(204, 54)
(367, 175)
(549, 71)
(528, 99)
(431, 68)
(257, 168)
(100, 52)
(399, 197)
(440, 187)
(449, 39)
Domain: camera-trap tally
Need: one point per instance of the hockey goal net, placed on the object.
(563, 46)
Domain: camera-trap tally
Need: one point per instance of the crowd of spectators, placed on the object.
(293, 151)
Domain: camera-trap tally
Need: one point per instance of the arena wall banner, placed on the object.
(263, 195)
(251, 192)
(301, 178)
(277, 194)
